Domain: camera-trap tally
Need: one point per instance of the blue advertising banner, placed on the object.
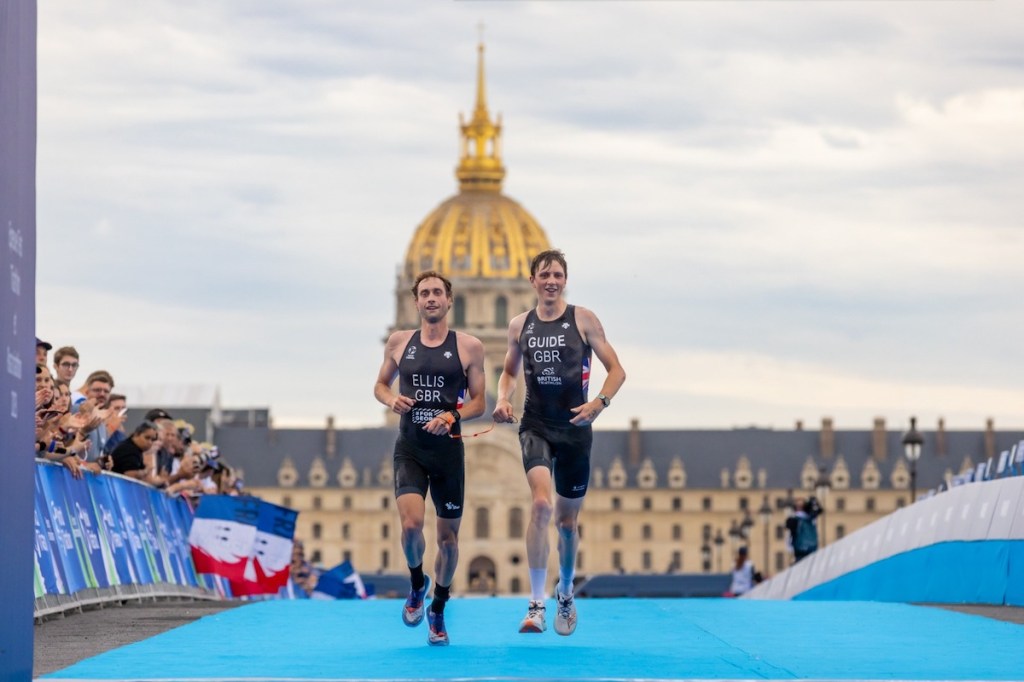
(48, 574)
(85, 527)
(17, 330)
(113, 536)
(51, 485)
(125, 497)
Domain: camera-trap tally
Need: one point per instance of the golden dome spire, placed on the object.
(480, 165)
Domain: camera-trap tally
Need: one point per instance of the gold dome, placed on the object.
(479, 232)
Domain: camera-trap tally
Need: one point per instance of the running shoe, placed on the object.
(534, 621)
(412, 612)
(565, 615)
(436, 633)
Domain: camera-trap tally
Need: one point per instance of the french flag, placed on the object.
(244, 539)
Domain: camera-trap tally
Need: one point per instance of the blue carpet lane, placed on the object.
(621, 639)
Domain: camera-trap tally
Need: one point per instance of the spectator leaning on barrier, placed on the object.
(117, 412)
(130, 457)
(803, 533)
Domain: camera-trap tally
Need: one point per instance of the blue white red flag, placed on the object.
(244, 539)
(341, 582)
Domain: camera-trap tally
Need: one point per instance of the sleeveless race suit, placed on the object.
(435, 379)
(556, 368)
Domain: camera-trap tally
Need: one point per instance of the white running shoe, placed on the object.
(412, 611)
(534, 621)
(565, 615)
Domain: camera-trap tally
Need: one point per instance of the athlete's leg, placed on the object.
(411, 510)
(447, 550)
(567, 512)
(537, 546)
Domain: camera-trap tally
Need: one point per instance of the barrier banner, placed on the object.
(48, 575)
(80, 510)
(245, 540)
(113, 536)
(68, 549)
(138, 549)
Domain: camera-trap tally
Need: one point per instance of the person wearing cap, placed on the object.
(42, 348)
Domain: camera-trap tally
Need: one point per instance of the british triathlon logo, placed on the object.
(548, 377)
(410, 353)
(529, 328)
(451, 507)
(447, 355)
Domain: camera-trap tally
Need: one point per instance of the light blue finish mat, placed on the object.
(617, 639)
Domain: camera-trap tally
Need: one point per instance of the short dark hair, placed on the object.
(100, 375)
(117, 396)
(546, 258)
(63, 352)
(427, 275)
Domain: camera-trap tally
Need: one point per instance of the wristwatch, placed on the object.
(456, 415)
(605, 400)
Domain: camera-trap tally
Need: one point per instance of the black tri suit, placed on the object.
(435, 379)
(556, 366)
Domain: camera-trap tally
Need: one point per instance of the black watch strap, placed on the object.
(455, 413)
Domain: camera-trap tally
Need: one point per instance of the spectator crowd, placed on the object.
(83, 428)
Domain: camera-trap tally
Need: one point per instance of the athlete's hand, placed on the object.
(402, 404)
(586, 413)
(503, 412)
(440, 425)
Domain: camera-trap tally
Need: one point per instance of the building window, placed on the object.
(616, 531)
(384, 530)
(385, 502)
(900, 503)
(780, 532)
(677, 532)
(384, 558)
(459, 312)
(677, 504)
(780, 561)
(869, 504)
(315, 557)
(483, 523)
(616, 503)
(579, 531)
(346, 502)
(647, 561)
(345, 530)
(647, 504)
(744, 504)
(840, 531)
(617, 560)
(286, 501)
(579, 561)
(706, 532)
(345, 556)
(706, 565)
(317, 531)
(514, 586)
(515, 522)
(705, 503)
(317, 502)
(647, 531)
(501, 312)
(677, 562)
(840, 504)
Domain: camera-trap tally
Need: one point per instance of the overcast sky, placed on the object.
(780, 211)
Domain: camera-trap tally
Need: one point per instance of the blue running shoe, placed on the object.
(412, 612)
(436, 634)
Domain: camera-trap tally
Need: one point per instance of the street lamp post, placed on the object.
(735, 535)
(719, 541)
(912, 442)
(821, 488)
(765, 512)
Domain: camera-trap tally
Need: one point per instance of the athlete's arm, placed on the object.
(472, 349)
(593, 335)
(398, 404)
(507, 381)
